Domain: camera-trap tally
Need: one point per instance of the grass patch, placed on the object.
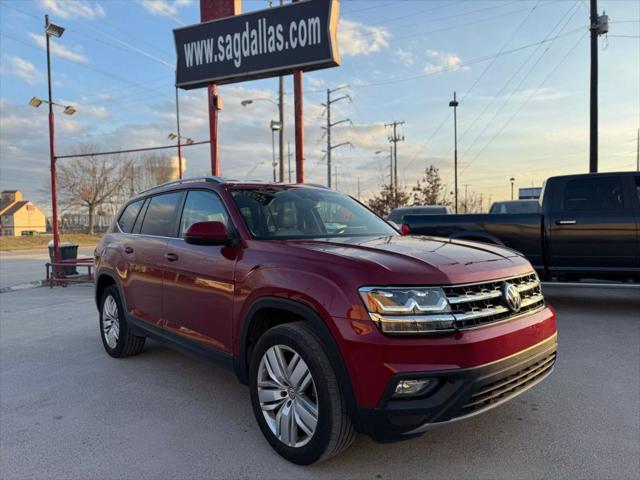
(8, 244)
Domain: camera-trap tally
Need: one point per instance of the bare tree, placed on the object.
(92, 181)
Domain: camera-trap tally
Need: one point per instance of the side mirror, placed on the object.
(207, 233)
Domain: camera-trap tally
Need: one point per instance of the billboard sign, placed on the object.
(265, 43)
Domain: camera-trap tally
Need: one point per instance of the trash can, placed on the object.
(68, 251)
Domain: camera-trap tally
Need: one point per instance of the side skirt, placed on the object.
(181, 344)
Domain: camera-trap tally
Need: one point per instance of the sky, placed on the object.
(520, 70)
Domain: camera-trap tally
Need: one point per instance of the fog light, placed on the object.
(412, 388)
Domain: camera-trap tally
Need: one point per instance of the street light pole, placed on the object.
(454, 104)
(273, 152)
(179, 138)
(512, 180)
(52, 155)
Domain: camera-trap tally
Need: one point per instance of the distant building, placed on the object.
(532, 193)
(18, 215)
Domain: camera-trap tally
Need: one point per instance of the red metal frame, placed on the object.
(58, 267)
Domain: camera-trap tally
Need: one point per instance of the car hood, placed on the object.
(417, 254)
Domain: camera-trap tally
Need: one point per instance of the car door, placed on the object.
(146, 251)
(199, 279)
(592, 226)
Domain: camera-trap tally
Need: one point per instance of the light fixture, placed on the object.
(69, 110)
(54, 30)
(172, 136)
(275, 125)
(413, 387)
(35, 102)
(189, 141)
(244, 103)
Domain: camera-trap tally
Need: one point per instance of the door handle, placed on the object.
(128, 250)
(566, 222)
(172, 257)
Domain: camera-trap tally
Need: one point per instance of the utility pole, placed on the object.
(599, 26)
(330, 124)
(638, 151)
(466, 204)
(454, 104)
(394, 137)
(358, 188)
(289, 159)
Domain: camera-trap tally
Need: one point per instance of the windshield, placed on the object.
(297, 213)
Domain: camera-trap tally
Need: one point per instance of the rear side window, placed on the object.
(604, 193)
(129, 215)
(160, 219)
(202, 206)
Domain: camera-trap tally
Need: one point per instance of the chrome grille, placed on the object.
(510, 386)
(481, 303)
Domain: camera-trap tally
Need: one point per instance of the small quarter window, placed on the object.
(202, 206)
(129, 215)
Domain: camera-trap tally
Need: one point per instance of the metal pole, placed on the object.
(299, 119)
(455, 150)
(281, 119)
(289, 159)
(213, 129)
(52, 155)
(273, 153)
(391, 168)
(638, 151)
(328, 138)
(395, 163)
(593, 118)
(179, 138)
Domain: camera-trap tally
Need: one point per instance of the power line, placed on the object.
(525, 102)
(488, 123)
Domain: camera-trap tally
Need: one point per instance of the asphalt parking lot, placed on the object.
(70, 411)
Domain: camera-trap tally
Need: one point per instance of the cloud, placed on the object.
(73, 8)
(58, 50)
(405, 56)
(20, 67)
(355, 38)
(442, 61)
(165, 7)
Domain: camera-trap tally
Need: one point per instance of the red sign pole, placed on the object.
(298, 110)
(299, 120)
(211, 10)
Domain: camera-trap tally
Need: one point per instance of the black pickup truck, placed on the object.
(589, 227)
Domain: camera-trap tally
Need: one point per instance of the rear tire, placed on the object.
(116, 335)
(296, 397)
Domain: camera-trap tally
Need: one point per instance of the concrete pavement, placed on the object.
(70, 411)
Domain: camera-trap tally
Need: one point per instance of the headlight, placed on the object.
(408, 310)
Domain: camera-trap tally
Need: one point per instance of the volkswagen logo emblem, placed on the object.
(512, 297)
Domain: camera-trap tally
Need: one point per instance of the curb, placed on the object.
(23, 286)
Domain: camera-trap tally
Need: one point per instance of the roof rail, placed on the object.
(206, 178)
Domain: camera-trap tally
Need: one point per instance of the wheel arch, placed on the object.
(292, 311)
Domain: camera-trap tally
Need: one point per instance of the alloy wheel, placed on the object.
(110, 322)
(287, 395)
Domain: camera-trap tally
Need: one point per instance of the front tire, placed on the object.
(117, 338)
(296, 397)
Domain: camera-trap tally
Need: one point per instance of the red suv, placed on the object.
(337, 322)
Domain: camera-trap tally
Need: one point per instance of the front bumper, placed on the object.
(459, 393)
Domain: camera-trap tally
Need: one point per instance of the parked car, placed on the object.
(515, 206)
(397, 214)
(336, 322)
(589, 227)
